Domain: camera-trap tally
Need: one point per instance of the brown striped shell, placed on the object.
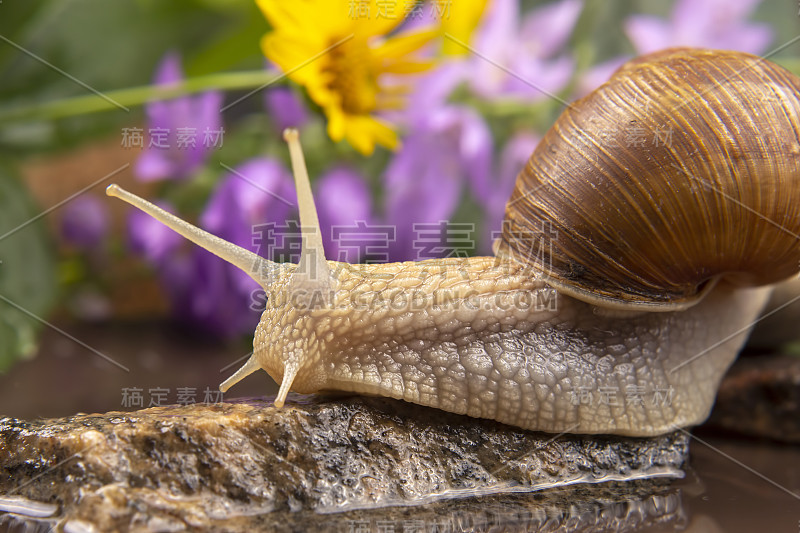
(682, 169)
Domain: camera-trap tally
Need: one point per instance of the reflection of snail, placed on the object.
(648, 244)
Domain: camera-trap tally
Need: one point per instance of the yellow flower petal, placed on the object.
(335, 17)
(345, 81)
(402, 45)
(382, 133)
(360, 139)
(460, 21)
(336, 123)
(378, 17)
(407, 67)
(289, 54)
(280, 15)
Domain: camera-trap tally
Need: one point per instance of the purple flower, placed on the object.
(205, 295)
(344, 206)
(430, 93)
(424, 180)
(513, 158)
(204, 291)
(285, 108)
(257, 192)
(181, 131)
(701, 23)
(599, 74)
(150, 238)
(698, 23)
(84, 223)
(527, 50)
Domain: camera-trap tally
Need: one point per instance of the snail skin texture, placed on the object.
(625, 283)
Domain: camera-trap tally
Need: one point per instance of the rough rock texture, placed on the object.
(330, 464)
(760, 396)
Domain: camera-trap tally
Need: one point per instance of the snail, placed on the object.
(627, 277)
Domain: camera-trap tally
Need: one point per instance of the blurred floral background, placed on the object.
(415, 119)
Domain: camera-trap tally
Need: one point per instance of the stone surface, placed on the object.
(643, 505)
(760, 396)
(319, 462)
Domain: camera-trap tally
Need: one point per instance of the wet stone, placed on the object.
(323, 461)
(760, 397)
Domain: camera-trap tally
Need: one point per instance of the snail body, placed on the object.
(593, 317)
(490, 341)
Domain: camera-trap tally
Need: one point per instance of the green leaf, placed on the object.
(27, 272)
(55, 49)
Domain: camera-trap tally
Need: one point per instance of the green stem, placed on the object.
(135, 96)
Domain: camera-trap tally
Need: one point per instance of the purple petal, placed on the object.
(184, 119)
(475, 149)
(152, 165)
(424, 180)
(515, 61)
(417, 193)
(204, 114)
(540, 79)
(648, 34)
(151, 238)
(258, 192)
(548, 27)
(255, 192)
(159, 116)
(160, 113)
(701, 23)
(225, 308)
(85, 221)
(432, 91)
(598, 75)
(204, 295)
(419, 203)
(497, 43)
(204, 290)
(513, 159)
(498, 28)
(343, 196)
(343, 200)
(711, 13)
(169, 70)
(225, 218)
(753, 38)
(285, 108)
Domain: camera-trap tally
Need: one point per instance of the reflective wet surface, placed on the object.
(731, 484)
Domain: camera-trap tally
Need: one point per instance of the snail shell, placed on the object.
(682, 169)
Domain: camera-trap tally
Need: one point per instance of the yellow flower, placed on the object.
(459, 19)
(338, 50)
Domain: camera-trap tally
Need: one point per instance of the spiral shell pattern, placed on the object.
(678, 171)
